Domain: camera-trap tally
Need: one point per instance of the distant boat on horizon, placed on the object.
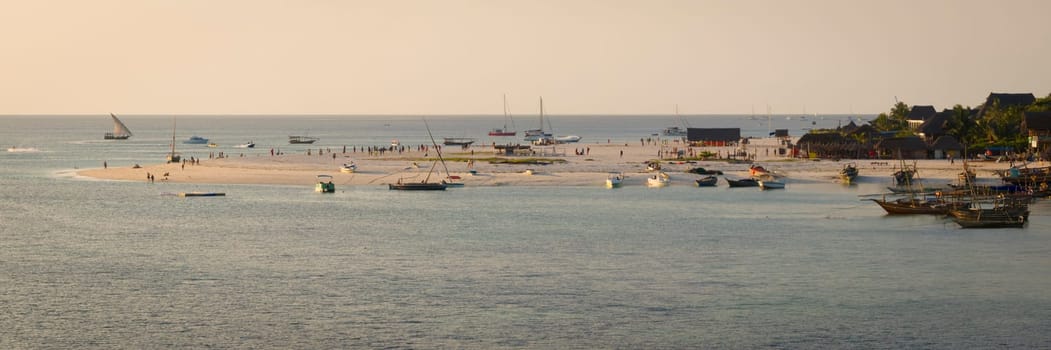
(196, 140)
(120, 131)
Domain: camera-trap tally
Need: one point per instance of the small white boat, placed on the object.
(567, 139)
(324, 184)
(250, 144)
(659, 180)
(348, 168)
(614, 180)
(771, 185)
(529, 172)
(395, 143)
(213, 145)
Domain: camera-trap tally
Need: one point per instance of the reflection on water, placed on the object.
(115, 264)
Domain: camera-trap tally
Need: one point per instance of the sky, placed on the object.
(461, 56)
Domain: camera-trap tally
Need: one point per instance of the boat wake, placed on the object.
(22, 150)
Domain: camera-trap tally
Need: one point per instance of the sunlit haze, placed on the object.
(460, 57)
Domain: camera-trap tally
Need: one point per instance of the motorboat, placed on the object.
(567, 139)
(348, 168)
(771, 185)
(674, 131)
(250, 144)
(658, 180)
(324, 184)
(614, 180)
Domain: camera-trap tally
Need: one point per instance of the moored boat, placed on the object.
(458, 141)
(905, 206)
(849, 173)
(707, 181)
(771, 185)
(748, 182)
(324, 184)
(614, 180)
(991, 218)
(348, 168)
(658, 180)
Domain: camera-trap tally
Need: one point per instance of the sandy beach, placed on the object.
(589, 169)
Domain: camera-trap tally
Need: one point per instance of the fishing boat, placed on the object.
(914, 205)
(250, 144)
(707, 181)
(457, 141)
(757, 170)
(771, 184)
(849, 173)
(196, 140)
(905, 175)
(348, 168)
(1002, 214)
(324, 184)
(424, 185)
(507, 117)
(703, 171)
(120, 131)
(298, 139)
(748, 182)
(614, 180)
(658, 180)
(653, 166)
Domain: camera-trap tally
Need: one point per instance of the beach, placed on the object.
(564, 167)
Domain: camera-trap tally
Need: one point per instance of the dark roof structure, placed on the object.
(947, 142)
(867, 130)
(824, 138)
(850, 127)
(713, 134)
(781, 133)
(1037, 121)
(910, 143)
(921, 113)
(1006, 100)
(936, 124)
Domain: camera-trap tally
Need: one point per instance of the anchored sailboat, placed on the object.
(507, 116)
(120, 131)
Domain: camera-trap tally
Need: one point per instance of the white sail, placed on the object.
(120, 131)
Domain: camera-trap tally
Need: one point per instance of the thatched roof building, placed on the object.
(910, 147)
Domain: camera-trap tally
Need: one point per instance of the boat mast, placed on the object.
(437, 150)
(173, 139)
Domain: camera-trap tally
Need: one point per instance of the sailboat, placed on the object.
(424, 185)
(120, 131)
(504, 131)
(676, 131)
(172, 156)
(538, 134)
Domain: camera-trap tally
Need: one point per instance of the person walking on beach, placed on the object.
(104, 165)
(622, 153)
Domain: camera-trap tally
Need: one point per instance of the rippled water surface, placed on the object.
(98, 264)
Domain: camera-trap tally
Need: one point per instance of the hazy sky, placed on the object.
(452, 56)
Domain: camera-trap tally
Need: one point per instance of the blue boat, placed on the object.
(196, 140)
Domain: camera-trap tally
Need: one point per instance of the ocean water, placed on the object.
(103, 264)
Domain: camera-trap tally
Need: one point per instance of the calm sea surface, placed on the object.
(101, 264)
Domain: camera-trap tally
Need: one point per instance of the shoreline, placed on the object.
(589, 169)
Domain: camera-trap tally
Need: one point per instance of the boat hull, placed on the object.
(709, 181)
(421, 186)
(503, 133)
(909, 208)
(110, 136)
(742, 183)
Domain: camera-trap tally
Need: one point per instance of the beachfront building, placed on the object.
(828, 145)
(1006, 100)
(919, 115)
(910, 147)
(1037, 125)
(716, 137)
(946, 146)
(934, 128)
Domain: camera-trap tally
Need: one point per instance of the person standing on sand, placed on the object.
(622, 153)
(104, 165)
